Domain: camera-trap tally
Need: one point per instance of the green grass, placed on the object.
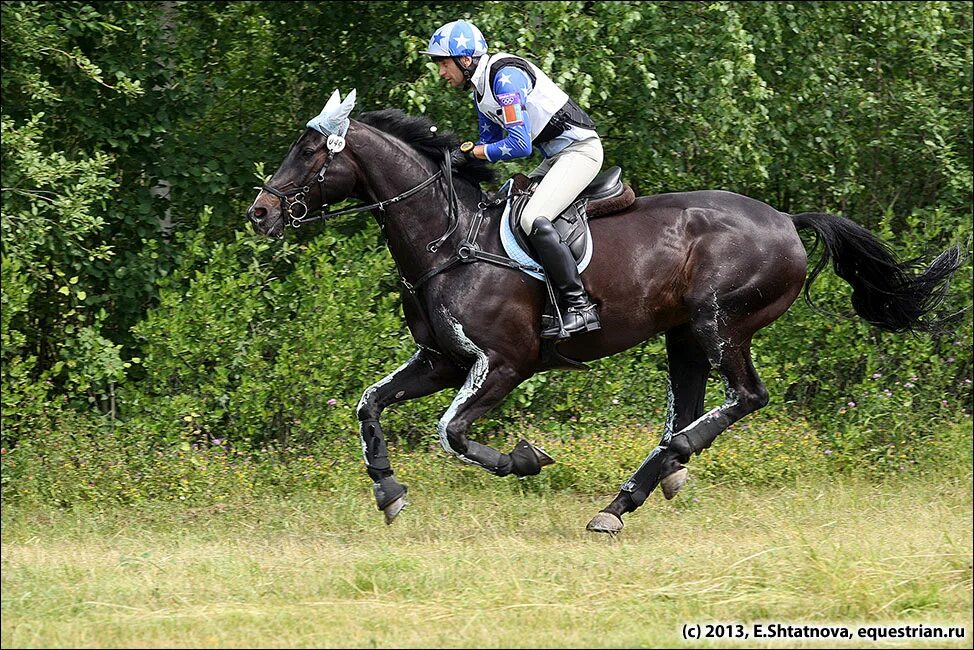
(488, 568)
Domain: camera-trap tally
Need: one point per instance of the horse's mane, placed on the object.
(415, 131)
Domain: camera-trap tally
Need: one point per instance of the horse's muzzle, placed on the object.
(266, 218)
(256, 214)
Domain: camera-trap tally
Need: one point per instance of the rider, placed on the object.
(519, 108)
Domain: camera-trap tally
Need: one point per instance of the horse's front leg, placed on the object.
(424, 374)
(485, 387)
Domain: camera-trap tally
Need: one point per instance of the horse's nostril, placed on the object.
(260, 213)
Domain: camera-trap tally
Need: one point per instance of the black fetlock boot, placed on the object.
(579, 313)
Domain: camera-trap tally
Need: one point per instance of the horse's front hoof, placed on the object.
(528, 460)
(390, 497)
(543, 458)
(672, 483)
(605, 522)
(394, 508)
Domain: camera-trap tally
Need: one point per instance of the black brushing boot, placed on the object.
(578, 312)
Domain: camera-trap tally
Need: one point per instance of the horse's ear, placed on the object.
(322, 118)
(346, 108)
(332, 105)
(333, 118)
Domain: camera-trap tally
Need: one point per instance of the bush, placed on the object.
(854, 108)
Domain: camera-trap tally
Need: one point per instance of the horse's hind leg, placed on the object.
(688, 371)
(744, 393)
(425, 373)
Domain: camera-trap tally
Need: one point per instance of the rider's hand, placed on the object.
(462, 155)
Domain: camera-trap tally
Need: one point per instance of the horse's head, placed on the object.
(299, 186)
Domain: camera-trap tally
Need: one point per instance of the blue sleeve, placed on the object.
(511, 88)
(489, 132)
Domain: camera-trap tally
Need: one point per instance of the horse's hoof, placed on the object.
(527, 460)
(672, 483)
(543, 458)
(394, 509)
(605, 522)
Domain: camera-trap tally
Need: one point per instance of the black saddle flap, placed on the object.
(571, 224)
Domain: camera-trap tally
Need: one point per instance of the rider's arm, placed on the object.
(511, 87)
(489, 131)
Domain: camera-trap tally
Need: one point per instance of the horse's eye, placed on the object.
(307, 152)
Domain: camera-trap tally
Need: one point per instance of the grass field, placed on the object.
(492, 569)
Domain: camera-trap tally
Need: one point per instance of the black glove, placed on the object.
(462, 155)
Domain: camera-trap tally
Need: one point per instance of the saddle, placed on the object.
(605, 195)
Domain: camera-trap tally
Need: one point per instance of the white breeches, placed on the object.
(565, 175)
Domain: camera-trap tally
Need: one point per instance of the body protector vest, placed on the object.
(550, 111)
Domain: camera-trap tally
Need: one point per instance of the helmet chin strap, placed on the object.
(467, 72)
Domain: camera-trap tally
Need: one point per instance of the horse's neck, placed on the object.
(388, 170)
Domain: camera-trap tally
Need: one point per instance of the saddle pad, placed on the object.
(518, 254)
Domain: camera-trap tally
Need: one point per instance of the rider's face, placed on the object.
(449, 70)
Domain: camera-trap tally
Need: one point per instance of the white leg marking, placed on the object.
(475, 379)
(370, 391)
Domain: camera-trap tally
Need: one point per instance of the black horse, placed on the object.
(706, 268)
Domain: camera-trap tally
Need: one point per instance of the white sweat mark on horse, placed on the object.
(670, 413)
(731, 399)
(719, 342)
(630, 485)
(475, 380)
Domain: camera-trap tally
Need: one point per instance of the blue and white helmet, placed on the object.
(458, 38)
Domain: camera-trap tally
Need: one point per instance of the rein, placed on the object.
(288, 204)
(468, 250)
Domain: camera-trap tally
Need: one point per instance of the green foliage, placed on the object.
(53, 243)
(135, 302)
(80, 461)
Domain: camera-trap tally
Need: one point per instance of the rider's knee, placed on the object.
(531, 217)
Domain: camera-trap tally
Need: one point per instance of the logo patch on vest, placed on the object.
(511, 108)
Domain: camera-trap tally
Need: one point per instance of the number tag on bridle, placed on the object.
(335, 143)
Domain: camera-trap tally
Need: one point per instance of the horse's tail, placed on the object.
(885, 292)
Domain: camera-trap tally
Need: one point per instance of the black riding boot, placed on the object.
(578, 312)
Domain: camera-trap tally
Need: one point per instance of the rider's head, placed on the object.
(456, 48)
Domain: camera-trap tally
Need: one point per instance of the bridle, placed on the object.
(290, 201)
(295, 200)
(468, 250)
